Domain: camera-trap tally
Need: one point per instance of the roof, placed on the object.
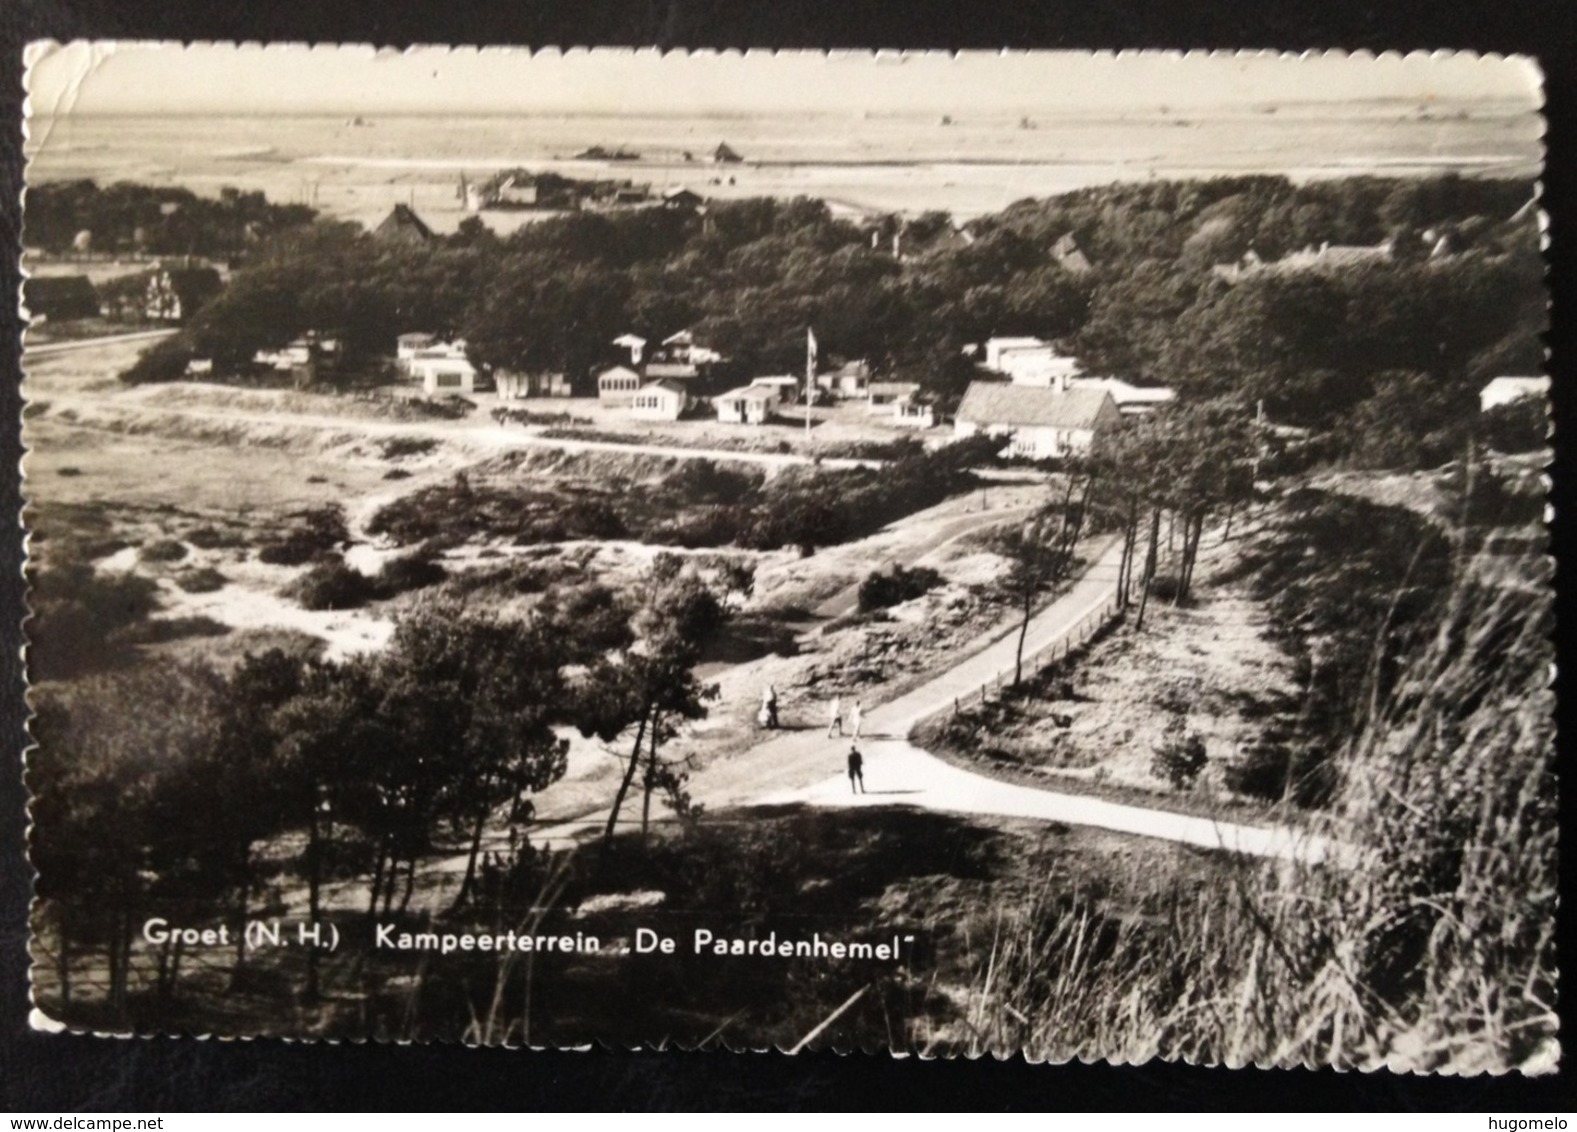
(990, 402)
(725, 152)
(621, 371)
(629, 340)
(666, 386)
(403, 223)
(748, 393)
(1518, 385)
(1123, 393)
(896, 388)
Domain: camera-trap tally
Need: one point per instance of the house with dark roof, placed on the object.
(1042, 423)
(403, 226)
(725, 154)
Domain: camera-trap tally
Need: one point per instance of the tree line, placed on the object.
(81, 216)
(1152, 296)
(168, 786)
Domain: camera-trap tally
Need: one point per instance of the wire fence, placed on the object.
(1043, 658)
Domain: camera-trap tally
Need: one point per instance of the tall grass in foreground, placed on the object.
(1430, 947)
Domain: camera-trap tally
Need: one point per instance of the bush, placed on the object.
(1520, 426)
(163, 550)
(1181, 755)
(332, 585)
(204, 580)
(880, 591)
(398, 447)
(315, 533)
(409, 572)
(78, 615)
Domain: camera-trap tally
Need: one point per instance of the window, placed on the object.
(449, 381)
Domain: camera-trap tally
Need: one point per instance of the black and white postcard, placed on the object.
(944, 554)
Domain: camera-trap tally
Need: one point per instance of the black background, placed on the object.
(50, 1073)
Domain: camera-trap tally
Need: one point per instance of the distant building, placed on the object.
(850, 380)
(60, 296)
(1043, 423)
(1066, 251)
(1326, 257)
(881, 396)
(403, 226)
(724, 154)
(783, 387)
(617, 387)
(660, 401)
(682, 198)
(513, 386)
(634, 344)
(516, 191)
(911, 412)
(176, 293)
(1505, 390)
(444, 374)
(407, 346)
(750, 405)
(680, 357)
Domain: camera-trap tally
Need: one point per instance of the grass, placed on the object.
(1430, 949)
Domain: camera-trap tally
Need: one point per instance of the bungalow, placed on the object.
(1043, 423)
(403, 226)
(443, 374)
(513, 386)
(881, 396)
(1505, 390)
(911, 412)
(617, 387)
(852, 379)
(175, 293)
(783, 387)
(680, 197)
(750, 405)
(661, 401)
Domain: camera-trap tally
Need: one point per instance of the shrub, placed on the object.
(880, 591)
(1181, 755)
(212, 538)
(398, 447)
(163, 550)
(332, 585)
(77, 616)
(409, 572)
(203, 580)
(315, 533)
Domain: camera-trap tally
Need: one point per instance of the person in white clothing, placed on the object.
(854, 720)
(835, 723)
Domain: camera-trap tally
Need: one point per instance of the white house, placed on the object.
(1505, 390)
(849, 380)
(911, 413)
(407, 346)
(1030, 361)
(660, 401)
(513, 386)
(617, 387)
(782, 386)
(1043, 423)
(881, 396)
(750, 405)
(442, 374)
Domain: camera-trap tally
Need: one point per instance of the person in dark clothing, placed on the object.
(856, 771)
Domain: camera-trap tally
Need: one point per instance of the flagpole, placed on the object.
(810, 376)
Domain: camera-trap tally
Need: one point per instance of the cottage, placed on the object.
(724, 154)
(881, 396)
(633, 344)
(513, 386)
(1043, 423)
(516, 191)
(176, 293)
(1505, 390)
(407, 346)
(442, 374)
(661, 401)
(617, 387)
(682, 198)
(403, 226)
(911, 412)
(850, 380)
(784, 388)
(1030, 361)
(750, 405)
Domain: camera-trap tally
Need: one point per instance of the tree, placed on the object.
(1039, 555)
(1181, 756)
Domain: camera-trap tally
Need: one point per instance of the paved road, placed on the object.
(805, 767)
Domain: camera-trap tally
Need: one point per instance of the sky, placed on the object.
(82, 78)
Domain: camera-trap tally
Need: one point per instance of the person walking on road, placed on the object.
(769, 708)
(854, 720)
(836, 722)
(856, 771)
